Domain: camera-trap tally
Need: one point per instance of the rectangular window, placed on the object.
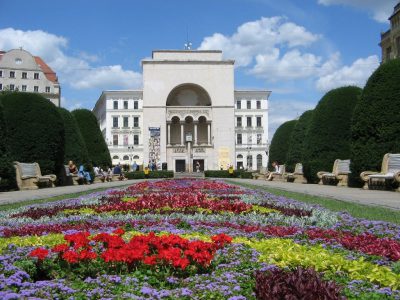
(135, 121)
(36, 88)
(259, 122)
(47, 89)
(115, 122)
(126, 121)
(249, 139)
(125, 104)
(135, 105)
(259, 139)
(248, 104)
(24, 75)
(115, 104)
(136, 139)
(248, 121)
(12, 74)
(1, 73)
(239, 121)
(239, 104)
(24, 88)
(1, 86)
(258, 104)
(12, 87)
(115, 139)
(239, 138)
(125, 140)
(35, 75)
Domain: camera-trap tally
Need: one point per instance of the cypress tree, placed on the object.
(280, 142)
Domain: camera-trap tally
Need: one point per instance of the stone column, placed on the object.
(168, 134)
(209, 133)
(182, 134)
(195, 134)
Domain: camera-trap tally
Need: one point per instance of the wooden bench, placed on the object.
(339, 175)
(29, 176)
(261, 174)
(390, 173)
(277, 176)
(297, 176)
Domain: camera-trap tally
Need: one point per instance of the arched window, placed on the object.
(240, 156)
(136, 157)
(115, 157)
(259, 161)
(250, 162)
(188, 95)
(126, 157)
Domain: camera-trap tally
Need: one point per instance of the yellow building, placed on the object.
(390, 40)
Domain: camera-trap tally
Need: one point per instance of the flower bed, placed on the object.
(194, 239)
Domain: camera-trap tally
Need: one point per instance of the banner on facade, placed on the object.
(224, 161)
(154, 145)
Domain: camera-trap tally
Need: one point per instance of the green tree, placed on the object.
(75, 147)
(280, 142)
(7, 171)
(375, 125)
(297, 140)
(99, 154)
(329, 134)
(35, 130)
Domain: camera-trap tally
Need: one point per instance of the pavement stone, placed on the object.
(388, 199)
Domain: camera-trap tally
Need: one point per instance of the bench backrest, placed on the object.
(298, 169)
(341, 166)
(263, 170)
(28, 169)
(282, 169)
(390, 163)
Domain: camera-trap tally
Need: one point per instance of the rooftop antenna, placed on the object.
(188, 44)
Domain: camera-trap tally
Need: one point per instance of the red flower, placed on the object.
(40, 253)
(60, 248)
(71, 256)
(221, 240)
(150, 260)
(119, 231)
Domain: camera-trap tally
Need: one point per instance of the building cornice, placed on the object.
(192, 62)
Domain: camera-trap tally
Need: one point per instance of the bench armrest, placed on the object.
(397, 176)
(364, 175)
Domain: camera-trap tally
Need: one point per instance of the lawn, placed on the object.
(194, 239)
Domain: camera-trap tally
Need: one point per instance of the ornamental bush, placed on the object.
(375, 127)
(296, 150)
(7, 171)
(281, 142)
(225, 174)
(95, 144)
(36, 131)
(75, 147)
(329, 134)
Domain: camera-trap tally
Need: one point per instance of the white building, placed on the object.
(21, 71)
(187, 113)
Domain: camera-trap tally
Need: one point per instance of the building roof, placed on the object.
(48, 72)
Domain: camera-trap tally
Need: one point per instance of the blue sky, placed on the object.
(297, 49)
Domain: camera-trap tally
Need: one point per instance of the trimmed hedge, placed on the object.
(225, 174)
(296, 150)
(95, 144)
(152, 174)
(280, 143)
(36, 130)
(375, 126)
(75, 147)
(7, 170)
(329, 133)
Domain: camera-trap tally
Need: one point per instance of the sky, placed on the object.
(299, 50)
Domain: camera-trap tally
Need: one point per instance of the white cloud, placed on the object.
(356, 74)
(260, 37)
(380, 9)
(75, 71)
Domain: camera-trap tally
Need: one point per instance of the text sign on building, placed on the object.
(154, 144)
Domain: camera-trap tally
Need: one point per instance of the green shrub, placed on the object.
(75, 147)
(225, 174)
(36, 131)
(280, 142)
(329, 134)
(375, 125)
(95, 144)
(152, 174)
(296, 150)
(7, 170)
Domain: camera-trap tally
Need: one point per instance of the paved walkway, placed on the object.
(388, 199)
(19, 196)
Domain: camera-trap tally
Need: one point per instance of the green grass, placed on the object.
(8, 206)
(356, 210)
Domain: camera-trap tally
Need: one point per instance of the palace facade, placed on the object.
(187, 113)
